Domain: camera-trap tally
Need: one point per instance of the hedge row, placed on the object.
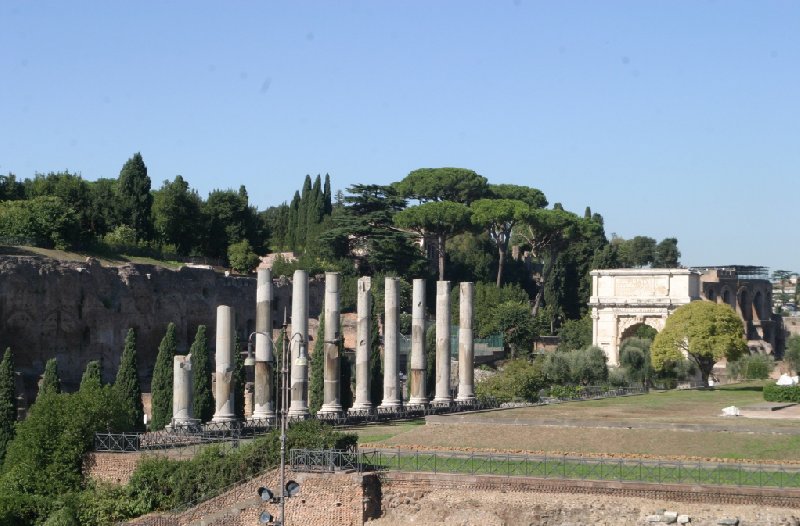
(782, 393)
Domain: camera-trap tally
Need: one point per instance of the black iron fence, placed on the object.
(551, 467)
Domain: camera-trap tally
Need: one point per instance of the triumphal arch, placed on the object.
(624, 299)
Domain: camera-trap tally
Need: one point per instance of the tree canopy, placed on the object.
(458, 185)
(705, 331)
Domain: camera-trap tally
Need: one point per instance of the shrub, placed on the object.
(583, 366)
(782, 393)
(241, 257)
(792, 355)
(751, 367)
(634, 359)
(518, 379)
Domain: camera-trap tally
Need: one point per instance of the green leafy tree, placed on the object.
(161, 384)
(229, 219)
(575, 334)
(135, 199)
(104, 210)
(345, 378)
(92, 376)
(241, 257)
(176, 214)
(498, 217)
(791, 355)
(50, 383)
(459, 185)
(519, 379)
(705, 331)
(430, 360)
(8, 403)
(73, 191)
(363, 231)
(667, 254)
(316, 380)
(203, 400)
(127, 385)
(634, 357)
(440, 220)
(44, 221)
(514, 321)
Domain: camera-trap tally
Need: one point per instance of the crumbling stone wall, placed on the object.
(114, 468)
(79, 312)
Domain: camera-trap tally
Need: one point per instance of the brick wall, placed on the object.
(115, 468)
(324, 499)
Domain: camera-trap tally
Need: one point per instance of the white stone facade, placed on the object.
(623, 299)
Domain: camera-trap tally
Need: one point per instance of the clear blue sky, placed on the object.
(677, 118)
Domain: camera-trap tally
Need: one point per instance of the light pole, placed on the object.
(286, 489)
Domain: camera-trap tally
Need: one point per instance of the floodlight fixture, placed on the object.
(265, 494)
(265, 517)
(292, 488)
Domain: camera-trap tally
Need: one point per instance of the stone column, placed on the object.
(224, 366)
(418, 361)
(442, 343)
(263, 407)
(466, 350)
(391, 381)
(331, 401)
(298, 341)
(363, 341)
(182, 392)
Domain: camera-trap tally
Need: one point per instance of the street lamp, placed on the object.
(290, 488)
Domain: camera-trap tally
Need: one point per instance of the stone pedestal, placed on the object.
(417, 376)
(263, 406)
(331, 402)
(182, 392)
(298, 342)
(466, 349)
(442, 344)
(391, 379)
(224, 366)
(363, 340)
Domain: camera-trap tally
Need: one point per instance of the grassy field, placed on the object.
(676, 425)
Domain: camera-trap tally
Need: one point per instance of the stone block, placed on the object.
(728, 521)
(684, 519)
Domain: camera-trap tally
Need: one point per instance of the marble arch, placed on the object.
(625, 298)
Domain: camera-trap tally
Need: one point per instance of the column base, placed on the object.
(224, 418)
(263, 415)
(330, 409)
(361, 408)
(183, 423)
(442, 401)
(418, 401)
(390, 404)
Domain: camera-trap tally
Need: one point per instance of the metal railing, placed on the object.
(188, 439)
(551, 467)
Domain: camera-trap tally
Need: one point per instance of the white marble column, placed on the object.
(298, 341)
(363, 342)
(224, 366)
(263, 407)
(331, 401)
(391, 380)
(442, 344)
(466, 349)
(182, 392)
(417, 376)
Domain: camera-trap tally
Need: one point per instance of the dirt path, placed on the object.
(494, 508)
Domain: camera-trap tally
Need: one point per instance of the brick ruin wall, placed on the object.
(78, 312)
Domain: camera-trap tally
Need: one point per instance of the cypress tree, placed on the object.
(203, 400)
(8, 403)
(316, 380)
(345, 378)
(136, 201)
(430, 361)
(239, 379)
(127, 383)
(375, 363)
(326, 195)
(50, 380)
(161, 385)
(92, 376)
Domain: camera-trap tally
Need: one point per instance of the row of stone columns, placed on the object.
(263, 407)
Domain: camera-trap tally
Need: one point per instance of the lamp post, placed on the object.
(286, 489)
